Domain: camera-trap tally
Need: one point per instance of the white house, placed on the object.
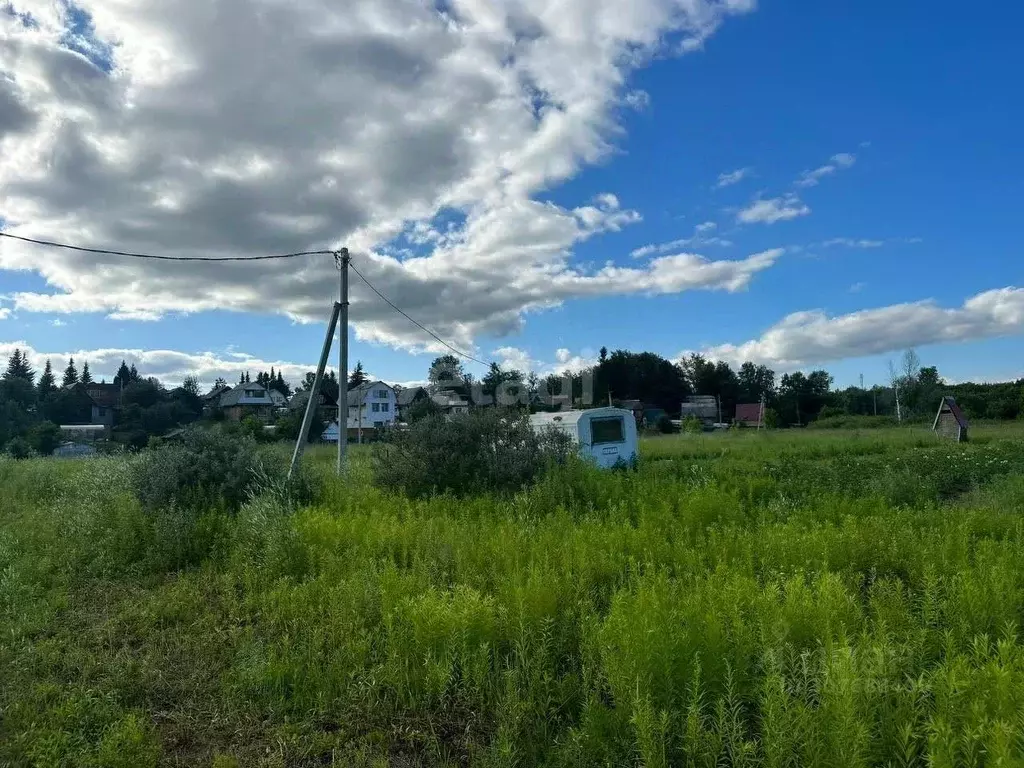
(604, 435)
(372, 405)
(277, 398)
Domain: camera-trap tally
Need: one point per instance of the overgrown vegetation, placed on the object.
(203, 469)
(743, 598)
(484, 451)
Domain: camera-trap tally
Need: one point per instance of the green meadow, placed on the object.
(791, 598)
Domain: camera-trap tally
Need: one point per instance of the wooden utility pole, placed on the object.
(340, 310)
(314, 394)
(342, 259)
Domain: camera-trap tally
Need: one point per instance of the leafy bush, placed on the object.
(205, 467)
(484, 450)
(665, 425)
(692, 425)
(19, 448)
(44, 438)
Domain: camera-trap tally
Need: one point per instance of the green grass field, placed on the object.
(798, 598)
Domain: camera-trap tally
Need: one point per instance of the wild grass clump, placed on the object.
(485, 451)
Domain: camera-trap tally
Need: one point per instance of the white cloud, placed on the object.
(849, 242)
(773, 210)
(565, 360)
(858, 287)
(638, 100)
(170, 366)
(729, 178)
(5, 312)
(701, 237)
(812, 338)
(837, 162)
(226, 128)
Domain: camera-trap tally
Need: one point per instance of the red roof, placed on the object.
(749, 412)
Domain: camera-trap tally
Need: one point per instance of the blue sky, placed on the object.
(884, 139)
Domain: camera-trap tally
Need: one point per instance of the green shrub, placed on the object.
(485, 450)
(665, 425)
(45, 438)
(205, 467)
(692, 425)
(19, 448)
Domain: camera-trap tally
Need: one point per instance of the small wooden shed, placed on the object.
(950, 421)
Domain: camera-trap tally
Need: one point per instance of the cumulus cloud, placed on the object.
(812, 338)
(773, 210)
(729, 178)
(837, 162)
(239, 128)
(510, 358)
(5, 312)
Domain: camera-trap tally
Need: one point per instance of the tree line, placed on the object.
(792, 399)
(33, 405)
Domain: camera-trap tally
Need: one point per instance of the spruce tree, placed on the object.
(70, 374)
(47, 383)
(86, 376)
(133, 373)
(282, 386)
(124, 375)
(13, 365)
(18, 367)
(358, 376)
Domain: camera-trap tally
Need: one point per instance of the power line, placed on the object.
(129, 254)
(106, 251)
(418, 324)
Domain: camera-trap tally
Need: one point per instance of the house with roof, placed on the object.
(707, 408)
(407, 397)
(247, 400)
(98, 403)
(749, 415)
(372, 405)
(280, 401)
(328, 409)
(211, 400)
(450, 403)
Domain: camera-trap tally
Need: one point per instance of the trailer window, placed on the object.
(607, 431)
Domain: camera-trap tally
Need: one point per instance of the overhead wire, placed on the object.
(415, 322)
(107, 251)
(296, 254)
